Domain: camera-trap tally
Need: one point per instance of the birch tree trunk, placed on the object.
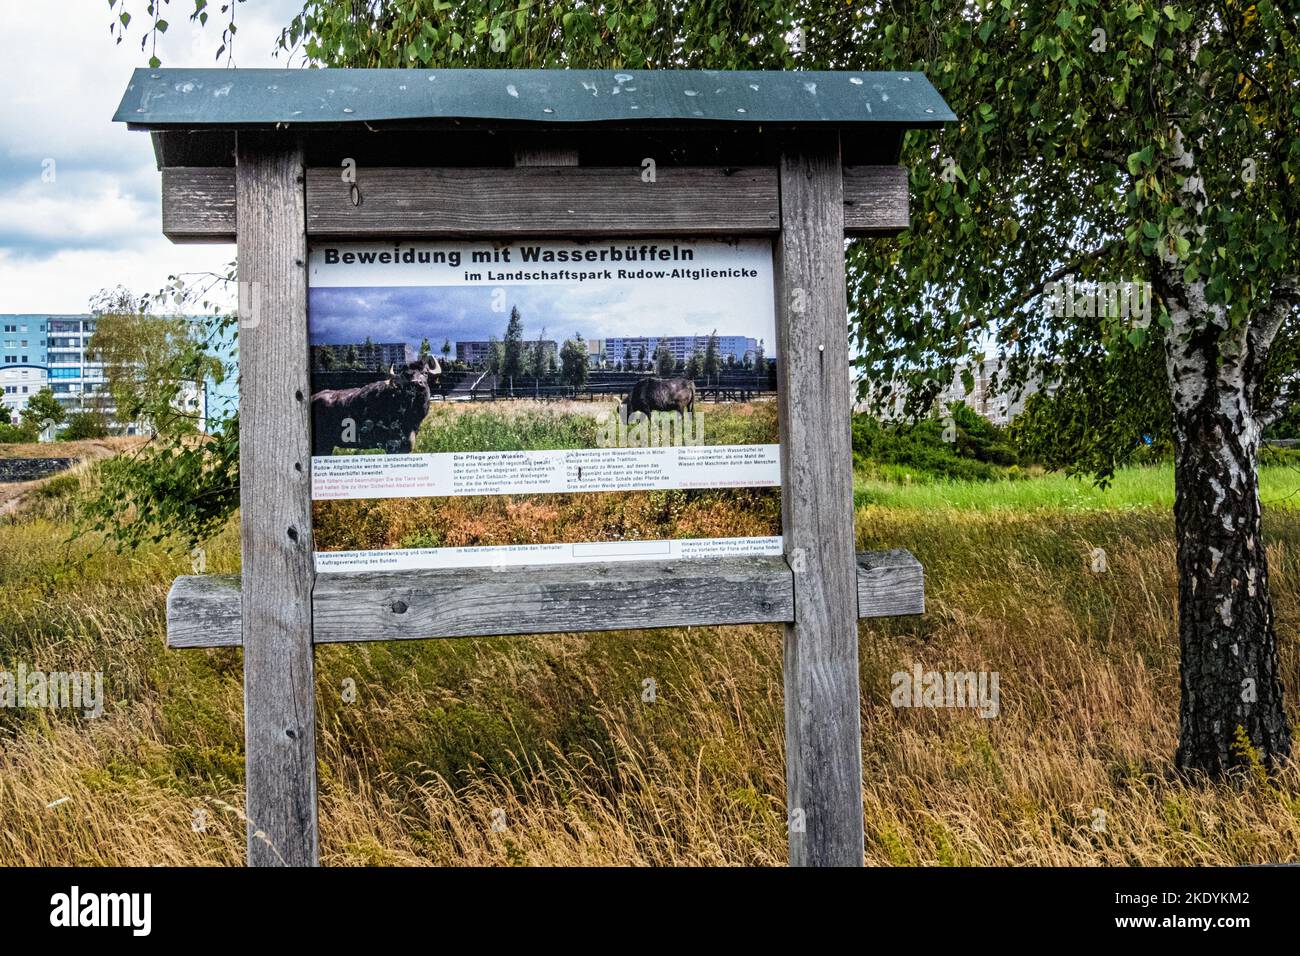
(1231, 689)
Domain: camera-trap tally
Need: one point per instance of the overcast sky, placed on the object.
(596, 311)
(98, 223)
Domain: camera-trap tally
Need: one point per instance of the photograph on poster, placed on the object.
(542, 401)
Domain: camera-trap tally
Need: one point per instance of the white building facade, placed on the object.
(17, 384)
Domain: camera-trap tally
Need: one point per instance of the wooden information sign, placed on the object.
(278, 161)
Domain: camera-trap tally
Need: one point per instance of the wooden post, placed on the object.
(275, 503)
(822, 709)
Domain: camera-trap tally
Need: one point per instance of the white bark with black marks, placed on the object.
(1228, 641)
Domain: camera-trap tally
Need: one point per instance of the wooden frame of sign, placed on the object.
(807, 200)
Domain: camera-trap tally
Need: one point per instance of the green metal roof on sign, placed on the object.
(188, 99)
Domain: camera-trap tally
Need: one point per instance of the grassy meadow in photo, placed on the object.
(444, 736)
(513, 424)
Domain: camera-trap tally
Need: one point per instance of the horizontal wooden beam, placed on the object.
(538, 200)
(890, 584)
(199, 202)
(204, 610)
(388, 606)
(875, 200)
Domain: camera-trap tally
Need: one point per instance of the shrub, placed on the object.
(1276, 455)
(83, 425)
(963, 446)
(59, 487)
(16, 434)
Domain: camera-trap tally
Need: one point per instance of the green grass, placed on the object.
(1134, 487)
(527, 426)
(492, 431)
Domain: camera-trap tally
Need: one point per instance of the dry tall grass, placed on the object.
(542, 750)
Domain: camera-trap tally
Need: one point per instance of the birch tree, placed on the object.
(1122, 174)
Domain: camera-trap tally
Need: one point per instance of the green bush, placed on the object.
(83, 425)
(963, 445)
(1274, 455)
(16, 434)
(59, 487)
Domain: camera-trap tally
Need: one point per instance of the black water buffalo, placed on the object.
(384, 414)
(661, 395)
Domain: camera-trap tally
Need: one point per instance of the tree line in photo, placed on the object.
(515, 357)
(539, 361)
(354, 357)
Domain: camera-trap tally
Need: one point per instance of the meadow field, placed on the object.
(511, 424)
(550, 735)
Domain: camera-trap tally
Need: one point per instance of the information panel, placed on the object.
(538, 402)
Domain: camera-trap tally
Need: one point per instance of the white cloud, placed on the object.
(97, 225)
(64, 281)
(92, 212)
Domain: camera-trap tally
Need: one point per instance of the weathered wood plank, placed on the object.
(822, 722)
(198, 204)
(275, 505)
(536, 200)
(875, 200)
(203, 611)
(590, 597)
(890, 584)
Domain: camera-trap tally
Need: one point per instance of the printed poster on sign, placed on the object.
(542, 401)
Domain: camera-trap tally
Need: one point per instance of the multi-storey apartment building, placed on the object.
(681, 347)
(478, 354)
(999, 405)
(368, 356)
(39, 350)
(49, 350)
(17, 384)
(76, 381)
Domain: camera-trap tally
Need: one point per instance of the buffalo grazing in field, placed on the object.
(384, 414)
(661, 395)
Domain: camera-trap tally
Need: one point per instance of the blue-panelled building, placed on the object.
(51, 351)
(39, 351)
